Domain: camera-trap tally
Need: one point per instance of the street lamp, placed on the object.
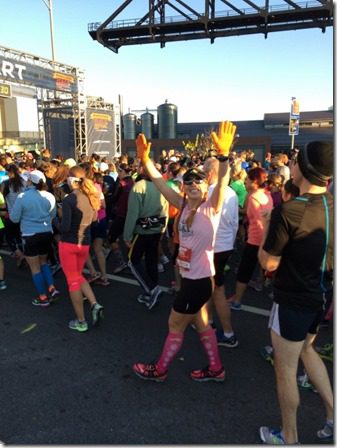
(49, 5)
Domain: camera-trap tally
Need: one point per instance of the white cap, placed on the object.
(36, 176)
(103, 167)
(70, 162)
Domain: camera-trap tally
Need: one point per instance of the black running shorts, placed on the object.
(193, 295)
(38, 244)
(248, 262)
(293, 325)
(220, 261)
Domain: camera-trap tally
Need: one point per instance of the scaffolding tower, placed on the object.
(51, 99)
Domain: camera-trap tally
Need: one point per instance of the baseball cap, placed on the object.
(70, 162)
(103, 167)
(25, 175)
(36, 176)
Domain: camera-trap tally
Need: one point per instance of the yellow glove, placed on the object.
(143, 148)
(223, 140)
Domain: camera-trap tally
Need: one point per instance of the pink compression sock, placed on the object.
(172, 345)
(208, 340)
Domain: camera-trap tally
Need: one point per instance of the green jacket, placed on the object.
(145, 200)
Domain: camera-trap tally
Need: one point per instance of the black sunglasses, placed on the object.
(194, 180)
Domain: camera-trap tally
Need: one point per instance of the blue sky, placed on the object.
(236, 78)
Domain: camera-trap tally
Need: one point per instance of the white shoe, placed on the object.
(164, 259)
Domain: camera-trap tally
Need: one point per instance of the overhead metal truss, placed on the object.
(157, 27)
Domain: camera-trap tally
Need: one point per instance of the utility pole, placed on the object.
(49, 5)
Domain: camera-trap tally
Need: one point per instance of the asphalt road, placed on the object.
(63, 387)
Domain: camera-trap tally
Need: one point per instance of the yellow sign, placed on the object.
(101, 121)
(63, 81)
(5, 90)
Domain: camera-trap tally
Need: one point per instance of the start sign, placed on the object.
(5, 90)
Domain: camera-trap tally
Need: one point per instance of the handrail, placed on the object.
(127, 23)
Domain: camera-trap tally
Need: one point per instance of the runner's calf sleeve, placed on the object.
(47, 275)
(39, 283)
(172, 345)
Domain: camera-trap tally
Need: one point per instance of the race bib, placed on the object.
(184, 258)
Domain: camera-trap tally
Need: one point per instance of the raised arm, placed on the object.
(223, 141)
(143, 153)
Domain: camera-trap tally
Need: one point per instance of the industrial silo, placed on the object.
(147, 120)
(167, 120)
(129, 126)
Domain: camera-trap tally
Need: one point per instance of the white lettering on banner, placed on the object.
(14, 71)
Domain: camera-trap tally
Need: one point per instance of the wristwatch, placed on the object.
(222, 158)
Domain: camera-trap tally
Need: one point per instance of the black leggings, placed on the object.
(146, 245)
(13, 235)
(248, 263)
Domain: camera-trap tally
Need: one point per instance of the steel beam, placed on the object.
(156, 27)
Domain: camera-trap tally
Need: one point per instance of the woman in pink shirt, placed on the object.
(197, 227)
(259, 204)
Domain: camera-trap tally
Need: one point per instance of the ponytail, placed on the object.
(86, 186)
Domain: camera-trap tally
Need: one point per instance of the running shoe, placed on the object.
(93, 277)
(229, 342)
(41, 302)
(326, 352)
(255, 285)
(143, 298)
(3, 285)
(267, 354)
(54, 294)
(235, 306)
(164, 259)
(326, 433)
(208, 374)
(78, 326)
(161, 267)
(97, 313)
(149, 372)
(271, 436)
(120, 268)
(102, 282)
(304, 383)
(232, 304)
(154, 295)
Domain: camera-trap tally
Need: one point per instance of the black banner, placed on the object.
(25, 73)
(100, 132)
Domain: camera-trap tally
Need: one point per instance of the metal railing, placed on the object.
(128, 23)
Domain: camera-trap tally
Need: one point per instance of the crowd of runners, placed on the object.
(192, 211)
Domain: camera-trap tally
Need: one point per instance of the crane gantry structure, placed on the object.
(244, 18)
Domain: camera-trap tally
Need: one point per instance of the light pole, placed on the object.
(49, 5)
